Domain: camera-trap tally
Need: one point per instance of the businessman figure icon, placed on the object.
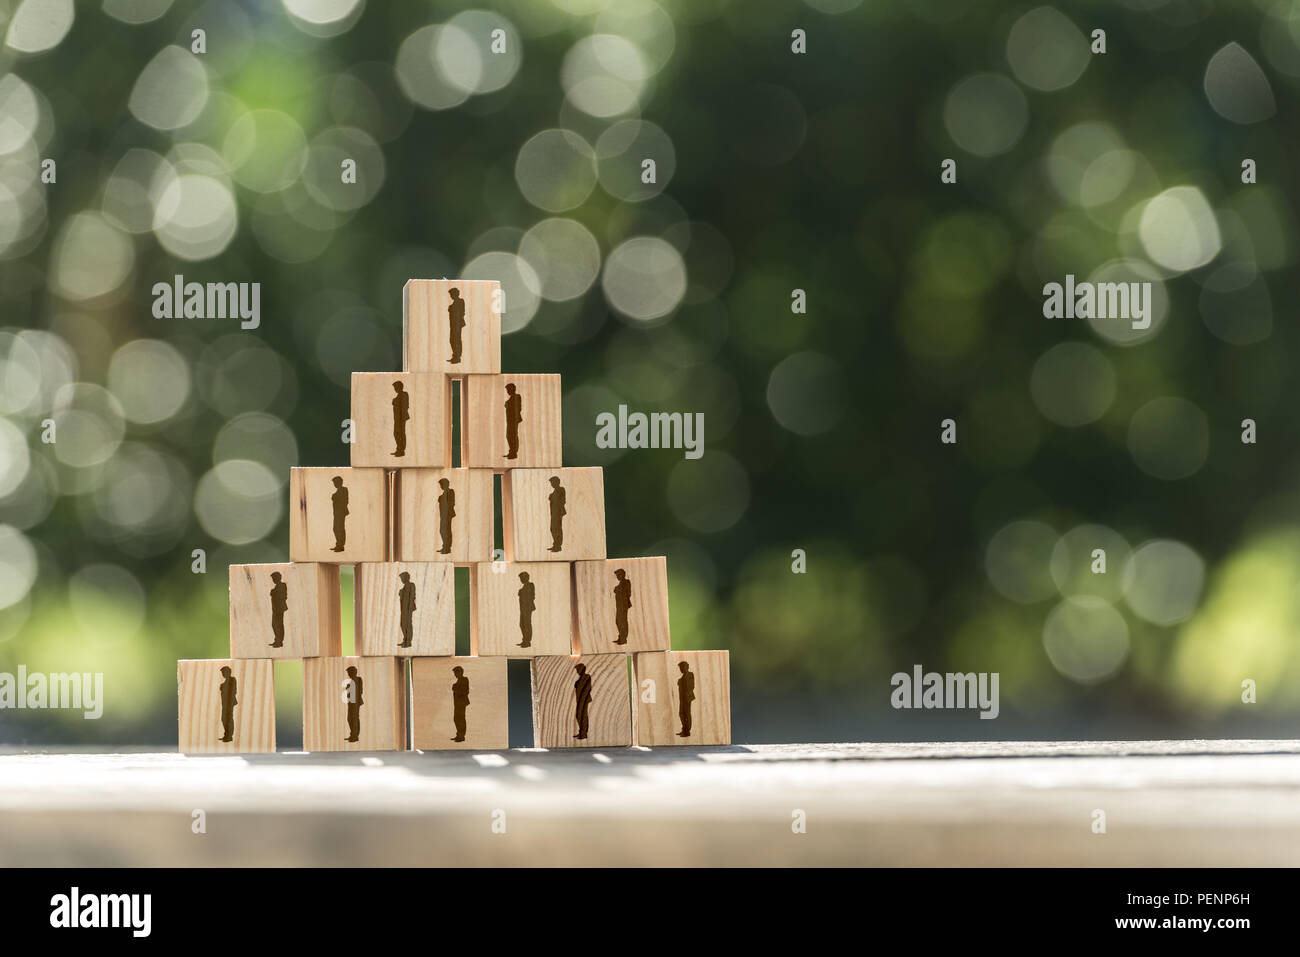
(685, 696)
(622, 604)
(406, 600)
(456, 321)
(460, 701)
(527, 605)
(229, 699)
(514, 416)
(279, 605)
(557, 499)
(582, 700)
(446, 512)
(352, 694)
(401, 415)
(340, 502)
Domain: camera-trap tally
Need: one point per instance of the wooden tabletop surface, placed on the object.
(986, 803)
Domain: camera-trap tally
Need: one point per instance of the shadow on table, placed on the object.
(523, 762)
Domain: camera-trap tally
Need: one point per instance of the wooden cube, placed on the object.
(452, 326)
(513, 421)
(338, 515)
(285, 610)
(226, 706)
(354, 704)
(520, 610)
(405, 608)
(459, 704)
(401, 419)
(682, 697)
(621, 604)
(553, 514)
(443, 515)
(581, 701)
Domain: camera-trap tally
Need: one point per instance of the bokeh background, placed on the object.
(775, 171)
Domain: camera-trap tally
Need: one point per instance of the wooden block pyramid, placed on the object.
(404, 514)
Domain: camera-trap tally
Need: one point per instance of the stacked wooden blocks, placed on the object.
(405, 515)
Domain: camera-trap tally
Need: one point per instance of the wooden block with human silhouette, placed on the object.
(451, 326)
(520, 609)
(338, 515)
(443, 515)
(512, 421)
(405, 608)
(682, 698)
(581, 701)
(459, 704)
(354, 704)
(553, 514)
(621, 605)
(285, 610)
(226, 706)
(401, 419)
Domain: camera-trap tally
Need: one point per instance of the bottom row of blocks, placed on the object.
(361, 703)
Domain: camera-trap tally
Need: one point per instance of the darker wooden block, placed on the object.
(459, 704)
(581, 701)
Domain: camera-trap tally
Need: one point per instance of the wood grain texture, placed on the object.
(601, 624)
(204, 706)
(434, 705)
(1184, 803)
(381, 715)
(426, 326)
(426, 430)
(495, 619)
(527, 509)
(556, 705)
(310, 620)
(378, 615)
(658, 684)
(538, 435)
(312, 515)
(417, 519)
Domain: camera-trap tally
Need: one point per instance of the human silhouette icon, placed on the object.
(622, 603)
(340, 502)
(446, 512)
(557, 499)
(685, 695)
(582, 697)
(355, 701)
(456, 320)
(401, 415)
(514, 415)
(228, 701)
(460, 701)
(527, 605)
(279, 605)
(406, 596)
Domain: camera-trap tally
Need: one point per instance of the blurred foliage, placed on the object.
(778, 171)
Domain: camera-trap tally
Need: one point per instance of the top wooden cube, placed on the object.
(451, 326)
